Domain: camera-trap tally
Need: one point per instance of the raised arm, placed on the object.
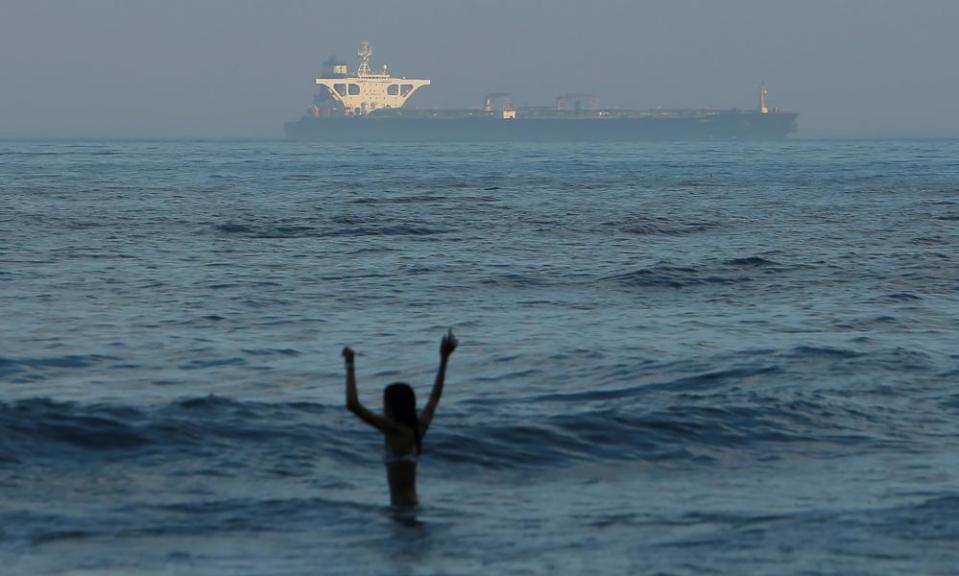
(353, 401)
(447, 345)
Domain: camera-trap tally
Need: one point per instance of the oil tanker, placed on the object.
(370, 105)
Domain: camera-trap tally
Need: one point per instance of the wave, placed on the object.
(750, 262)
(659, 225)
(414, 199)
(697, 433)
(267, 231)
(288, 438)
(25, 369)
(43, 428)
(710, 273)
(888, 523)
(668, 276)
(191, 518)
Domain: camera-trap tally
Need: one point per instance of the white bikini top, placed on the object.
(390, 457)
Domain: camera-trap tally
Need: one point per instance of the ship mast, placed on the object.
(365, 52)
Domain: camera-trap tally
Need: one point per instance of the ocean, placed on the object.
(688, 358)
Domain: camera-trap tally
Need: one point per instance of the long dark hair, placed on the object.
(401, 402)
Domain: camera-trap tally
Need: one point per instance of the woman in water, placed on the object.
(402, 429)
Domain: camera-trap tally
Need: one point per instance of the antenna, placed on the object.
(364, 53)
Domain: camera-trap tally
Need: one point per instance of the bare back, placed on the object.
(400, 459)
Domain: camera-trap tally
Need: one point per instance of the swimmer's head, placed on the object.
(399, 405)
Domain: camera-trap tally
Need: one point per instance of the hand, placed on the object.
(448, 344)
(348, 354)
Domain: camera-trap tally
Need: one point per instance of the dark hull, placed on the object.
(729, 125)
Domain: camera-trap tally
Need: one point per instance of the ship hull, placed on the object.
(729, 125)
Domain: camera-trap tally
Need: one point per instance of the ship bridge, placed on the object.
(367, 91)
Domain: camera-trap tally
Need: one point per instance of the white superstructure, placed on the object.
(367, 91)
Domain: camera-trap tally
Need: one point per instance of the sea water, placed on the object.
(711, 358)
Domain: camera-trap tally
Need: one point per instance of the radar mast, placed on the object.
(365, 52)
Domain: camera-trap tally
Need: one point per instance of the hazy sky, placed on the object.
(233, 68)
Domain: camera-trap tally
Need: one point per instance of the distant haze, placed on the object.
(233, 68)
